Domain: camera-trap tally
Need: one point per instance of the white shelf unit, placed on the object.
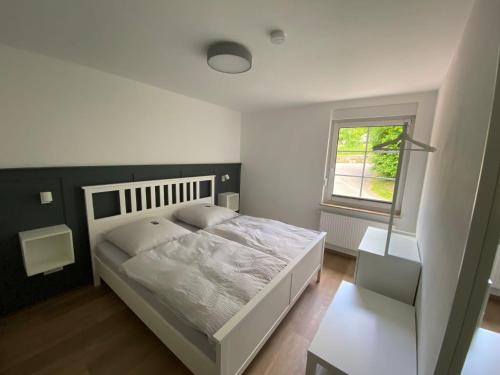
(229, 200)
(395, 275)
(46, 250)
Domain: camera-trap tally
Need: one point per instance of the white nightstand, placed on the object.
(229, 200)
(46, 250)
(395, 275)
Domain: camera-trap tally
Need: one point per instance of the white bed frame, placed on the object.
(240, 339)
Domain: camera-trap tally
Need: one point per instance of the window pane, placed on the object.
(381, 164)
(381, 134)
(349, 163)
(358, 171)
(347, 186)
(352, 139)
(378, 188)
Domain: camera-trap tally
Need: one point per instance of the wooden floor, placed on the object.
(91, 331)
(491, 319)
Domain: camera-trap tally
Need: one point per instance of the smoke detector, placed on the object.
(277, 36)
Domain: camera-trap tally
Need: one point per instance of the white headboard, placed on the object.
(161, 203)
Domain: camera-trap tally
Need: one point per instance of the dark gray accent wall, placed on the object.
(20, 210)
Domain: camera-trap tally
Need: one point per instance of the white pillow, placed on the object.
(204, 215)
(145, 234)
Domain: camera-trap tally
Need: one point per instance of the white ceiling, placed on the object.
(336, 49)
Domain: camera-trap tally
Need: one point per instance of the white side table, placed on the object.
(482, 357)
(229, 200)
(364, 332)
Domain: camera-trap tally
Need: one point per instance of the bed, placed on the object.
(235, 344)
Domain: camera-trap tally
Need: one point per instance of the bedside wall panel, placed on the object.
(20, 210)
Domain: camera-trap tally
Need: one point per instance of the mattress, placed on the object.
(113, 257)
(281, 240)
(202, 277)
(187, 226)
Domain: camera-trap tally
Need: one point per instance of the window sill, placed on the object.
(359, 210)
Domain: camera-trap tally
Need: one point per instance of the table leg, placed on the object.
(311, 364)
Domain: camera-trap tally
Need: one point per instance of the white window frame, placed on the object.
(363, 204)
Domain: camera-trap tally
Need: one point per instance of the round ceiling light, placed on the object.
(229, 57)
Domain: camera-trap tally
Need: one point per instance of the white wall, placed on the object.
(461, 123)
(55, 113)
(283, 155)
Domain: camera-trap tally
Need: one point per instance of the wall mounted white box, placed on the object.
(229, 200)
(47, 249)
(395, 275)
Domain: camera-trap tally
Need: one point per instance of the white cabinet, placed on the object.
(395, 275)
(46, 250)
(229, 200)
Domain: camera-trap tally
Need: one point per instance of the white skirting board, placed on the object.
(335, 249)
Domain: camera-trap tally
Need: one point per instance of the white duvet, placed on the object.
(203, 277)
(283, 241)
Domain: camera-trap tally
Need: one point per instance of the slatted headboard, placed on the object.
(142, 199)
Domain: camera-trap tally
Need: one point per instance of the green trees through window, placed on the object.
(360, 172)
(384, 163)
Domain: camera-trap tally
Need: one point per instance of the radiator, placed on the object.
(345, 232)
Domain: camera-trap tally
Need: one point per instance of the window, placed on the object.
(358, 177)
